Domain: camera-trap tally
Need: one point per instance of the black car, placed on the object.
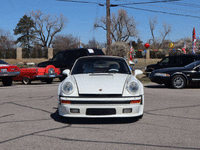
(65, 59)
(177, 77)
(173, 61)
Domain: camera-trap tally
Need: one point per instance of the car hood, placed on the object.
(170, 69)
(100, 83)
(4, 65)
(44, 64)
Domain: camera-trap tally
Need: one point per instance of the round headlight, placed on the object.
(51, 71)
(133, 87)
(67, 88)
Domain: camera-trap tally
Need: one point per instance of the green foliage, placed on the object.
(25, 28)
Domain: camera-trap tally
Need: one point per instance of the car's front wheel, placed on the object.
(26, 80)
(7, 81)
(178, 82)
(49, 80)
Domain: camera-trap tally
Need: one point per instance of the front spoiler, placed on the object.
(9, 74)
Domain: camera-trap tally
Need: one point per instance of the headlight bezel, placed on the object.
(67, 88)
(133, 87)
(158, 74)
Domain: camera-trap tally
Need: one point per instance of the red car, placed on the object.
(46, 74)
(7, 72)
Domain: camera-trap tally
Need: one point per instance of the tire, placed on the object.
(26, 80)
(178, 82)
(62, 78)
(7, 81)
(149, 70)
(168, 85)
(49, 80)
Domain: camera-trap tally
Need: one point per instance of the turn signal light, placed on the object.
(135, 101)
(65, 102)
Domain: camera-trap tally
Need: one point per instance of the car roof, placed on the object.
(101, 56)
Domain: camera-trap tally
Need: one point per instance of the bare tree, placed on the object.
(152, 23)
(122, 26)
(6, 40)
(47, 26)
(166, 31)
(62, 42)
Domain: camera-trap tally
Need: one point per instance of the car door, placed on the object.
(195, 74)
(58, 59)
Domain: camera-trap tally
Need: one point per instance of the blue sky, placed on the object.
(81, 16)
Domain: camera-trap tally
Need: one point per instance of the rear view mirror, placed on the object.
(66, 72)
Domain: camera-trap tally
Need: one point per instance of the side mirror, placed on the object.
(197, 69)
(131, 65)
(138, 72)
(66, 72)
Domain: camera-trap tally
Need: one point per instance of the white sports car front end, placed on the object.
(106, 89)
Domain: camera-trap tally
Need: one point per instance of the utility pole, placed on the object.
(108, 26)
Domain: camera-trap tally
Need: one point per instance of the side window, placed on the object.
(58, 56)
(164, 61)
(187, 60)
(175, 60)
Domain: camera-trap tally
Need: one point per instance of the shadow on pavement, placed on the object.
(65, 120)
(162, 86)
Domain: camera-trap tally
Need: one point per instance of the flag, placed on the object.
(193, 41)
(80, 44)
(131, 51)
(184, 48)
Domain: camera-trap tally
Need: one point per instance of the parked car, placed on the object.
(101, 86)
(45, 74)
(173, 61)
(65, 59)
(178, 77)
(7, 72)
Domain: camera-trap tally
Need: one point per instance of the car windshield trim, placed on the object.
(100, 65)
(3, 62)
(192, 65)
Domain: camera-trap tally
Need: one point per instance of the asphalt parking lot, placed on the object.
(29, 120)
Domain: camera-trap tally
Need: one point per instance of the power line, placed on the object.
(132, 3)
(161, 12)
(86, 2)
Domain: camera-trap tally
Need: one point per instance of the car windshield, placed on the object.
(192, 65)
(3, 62)
(100, 65)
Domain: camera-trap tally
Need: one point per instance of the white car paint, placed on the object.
(91, 86)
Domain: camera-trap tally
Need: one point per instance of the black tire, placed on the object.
(49, 80)
(149, 70)
(168, 85)
(7, 81)
(62, 78)
(178, 82)
(26, 80)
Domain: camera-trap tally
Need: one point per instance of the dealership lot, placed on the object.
(29, 120)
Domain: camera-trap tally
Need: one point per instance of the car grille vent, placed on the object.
(99, 102)
(99, 95)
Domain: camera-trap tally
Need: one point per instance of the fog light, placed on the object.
(73, 110)
(65, 102)
(127, 110)
(135, 101)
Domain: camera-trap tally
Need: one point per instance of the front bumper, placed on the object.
(160, 80)
(9, 74)
(48, 76)
(101, 107)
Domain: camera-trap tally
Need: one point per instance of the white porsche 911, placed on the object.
(101, 87)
